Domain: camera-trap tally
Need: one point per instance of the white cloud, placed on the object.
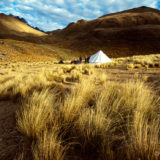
(50, 25)
(56, 14)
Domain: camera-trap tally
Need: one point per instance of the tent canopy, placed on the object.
(99, 58)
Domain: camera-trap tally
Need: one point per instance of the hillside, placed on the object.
(15, 51)
(21, 42)
(12, 26)
(131, 32)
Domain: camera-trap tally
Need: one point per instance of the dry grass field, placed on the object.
(80, 112)
(18, 51)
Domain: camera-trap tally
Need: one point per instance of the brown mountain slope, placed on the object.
(11, 26)
(21, 42)
(131, 32)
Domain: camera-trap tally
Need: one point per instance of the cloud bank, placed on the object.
(50, 15)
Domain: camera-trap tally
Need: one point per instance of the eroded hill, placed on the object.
(131, 32)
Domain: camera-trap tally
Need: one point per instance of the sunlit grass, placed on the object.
(70, 111)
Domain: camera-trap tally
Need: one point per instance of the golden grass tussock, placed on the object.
(15, 85)
(150, 60)
(130, 66)
(33, 118)
(106, 65)
(68, 68)
(138, 66)
(146, 66)
(76, 75)
(49, 146)
(151, 65)
(88, 71)
(94, 119)
(145, 78)
(20, 85)
(103, 79)
(135, 66)
(57, 76)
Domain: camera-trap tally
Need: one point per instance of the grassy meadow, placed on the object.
(80, 112)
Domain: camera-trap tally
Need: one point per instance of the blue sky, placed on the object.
(56, 14)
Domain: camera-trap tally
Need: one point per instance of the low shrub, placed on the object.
(136, 75)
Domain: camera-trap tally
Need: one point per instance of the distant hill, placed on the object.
(131, 32)
(11, 27)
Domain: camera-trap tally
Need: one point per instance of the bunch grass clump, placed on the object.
(130, 66)
(106, 120)
(106, 65)
(76, 75)
(138, 66)
(88, 71)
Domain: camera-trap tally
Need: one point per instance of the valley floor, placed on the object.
(53, 111)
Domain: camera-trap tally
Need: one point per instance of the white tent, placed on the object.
(99, 58)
